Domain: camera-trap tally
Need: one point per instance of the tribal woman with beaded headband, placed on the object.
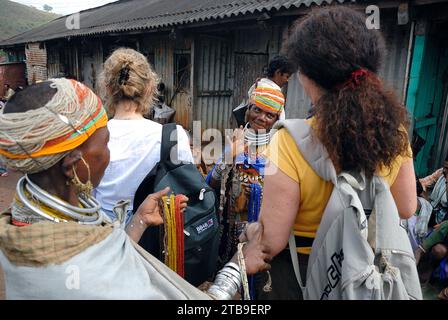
(55, 133)
(241, 183)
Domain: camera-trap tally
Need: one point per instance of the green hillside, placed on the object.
(16, 18)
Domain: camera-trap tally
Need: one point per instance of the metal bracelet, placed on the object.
(218, 294)
(230, 273)
(230, 278)
(225, 285)
(226, 281)
(231, 268)
(234, 275)
(233, 265)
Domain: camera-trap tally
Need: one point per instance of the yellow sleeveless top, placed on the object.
(314, 191)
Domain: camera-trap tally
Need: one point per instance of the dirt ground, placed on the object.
(7, 187)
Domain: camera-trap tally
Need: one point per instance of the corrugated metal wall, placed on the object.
(397, 42)
(163, 49)
(297, 102)
(393, 71)
(163, 62)
(248, 67)
(214, 63)
(253, 49)
(251, 57)
(227, 65)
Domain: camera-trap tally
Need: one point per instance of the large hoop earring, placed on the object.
(80, 187)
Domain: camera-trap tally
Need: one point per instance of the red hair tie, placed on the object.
(355, 79)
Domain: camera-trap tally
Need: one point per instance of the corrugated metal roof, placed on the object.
(133, 15)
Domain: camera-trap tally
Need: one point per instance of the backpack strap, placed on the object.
(295, 262)
(310, 147)
(317, 157)
(169, 140)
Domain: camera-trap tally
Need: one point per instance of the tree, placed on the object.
(47, 8)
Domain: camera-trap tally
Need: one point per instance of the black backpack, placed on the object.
(201, 229)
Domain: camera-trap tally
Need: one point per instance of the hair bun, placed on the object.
(127, 75)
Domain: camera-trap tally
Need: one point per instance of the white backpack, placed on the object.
(354, 257)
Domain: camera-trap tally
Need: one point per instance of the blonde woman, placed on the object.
(130, 87)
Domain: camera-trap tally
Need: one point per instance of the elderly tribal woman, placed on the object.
(240, 183)
(55, 242)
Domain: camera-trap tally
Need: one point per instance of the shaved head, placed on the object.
(32, 97)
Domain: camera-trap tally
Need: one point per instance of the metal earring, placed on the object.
(82, 188)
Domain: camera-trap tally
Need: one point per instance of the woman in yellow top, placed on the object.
(360, 122)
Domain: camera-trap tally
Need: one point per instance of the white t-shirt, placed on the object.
(134, 151)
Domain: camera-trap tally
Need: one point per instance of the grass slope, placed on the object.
(16, 18)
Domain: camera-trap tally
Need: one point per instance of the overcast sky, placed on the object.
(65, 7)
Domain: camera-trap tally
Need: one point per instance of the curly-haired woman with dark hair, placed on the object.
(359, 121)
